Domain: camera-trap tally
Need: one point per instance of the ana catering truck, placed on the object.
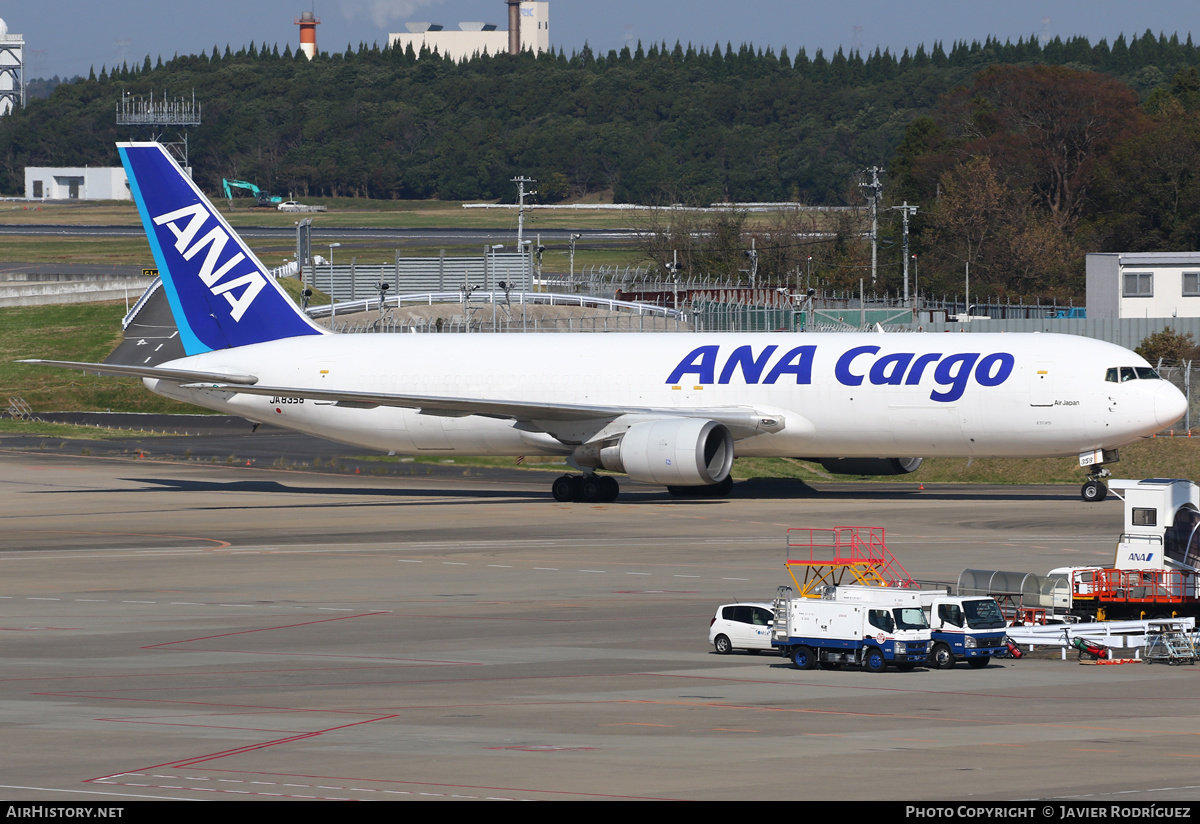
(1156, 570)
(962, 628)
(835, 632)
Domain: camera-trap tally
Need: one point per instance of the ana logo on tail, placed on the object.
(220, 294)
(186, 224)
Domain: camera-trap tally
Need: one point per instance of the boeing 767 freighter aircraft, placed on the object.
(670, 409)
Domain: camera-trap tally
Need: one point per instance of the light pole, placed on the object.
(906, 210)
(752, 254)
(916, 288)
(874, 187)
(382, 288)
(574, 238)
(673, 268)
(332, 297)
(521, 181)
(527, 263)
(491, 285)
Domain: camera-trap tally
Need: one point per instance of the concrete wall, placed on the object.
(24, 289)
(426, 274)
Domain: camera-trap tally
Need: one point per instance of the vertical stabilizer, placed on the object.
(220, 293)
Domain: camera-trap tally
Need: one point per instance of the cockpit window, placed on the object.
(1121, 374)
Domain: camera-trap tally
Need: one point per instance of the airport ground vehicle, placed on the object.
(744, 625)
(962, 628)
(1154, 573)
(1157, 561)
(297, 206)
(833, 632)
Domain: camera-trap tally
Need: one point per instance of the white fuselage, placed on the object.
(1053, 398)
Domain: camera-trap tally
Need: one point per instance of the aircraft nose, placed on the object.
(1169, 404)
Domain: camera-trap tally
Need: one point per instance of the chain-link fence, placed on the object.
(1180, 374)
(479, 319)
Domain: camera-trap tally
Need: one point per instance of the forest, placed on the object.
(1020, 156)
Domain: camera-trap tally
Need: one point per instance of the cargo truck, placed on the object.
(962, 628)
(836, 633)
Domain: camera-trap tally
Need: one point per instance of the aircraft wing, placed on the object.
(742, 421)
(149, 372)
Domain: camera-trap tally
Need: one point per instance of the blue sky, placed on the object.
(66, 37)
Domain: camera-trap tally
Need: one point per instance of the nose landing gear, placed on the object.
(1094, 460)
(1094, 490)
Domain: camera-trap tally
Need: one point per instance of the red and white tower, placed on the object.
(308, 23)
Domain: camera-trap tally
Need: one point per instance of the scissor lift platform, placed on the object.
(840, 556)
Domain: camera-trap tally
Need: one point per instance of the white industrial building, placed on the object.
(474, 39)
(12, 70)
(1143, 285)
(80, 183)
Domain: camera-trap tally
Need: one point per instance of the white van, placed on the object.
(742, 626)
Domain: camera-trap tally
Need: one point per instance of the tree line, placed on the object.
(694, 125)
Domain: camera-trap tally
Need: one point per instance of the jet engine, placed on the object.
(871, 466)
(671, 452)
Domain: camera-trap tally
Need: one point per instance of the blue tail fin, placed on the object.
(220, 294)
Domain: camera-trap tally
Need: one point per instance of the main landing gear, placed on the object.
(589, 489)
(601, 489)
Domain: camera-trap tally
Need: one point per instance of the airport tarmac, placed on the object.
(178, 630)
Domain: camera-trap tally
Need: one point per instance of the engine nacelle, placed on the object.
(871, 466)
(671, 452)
